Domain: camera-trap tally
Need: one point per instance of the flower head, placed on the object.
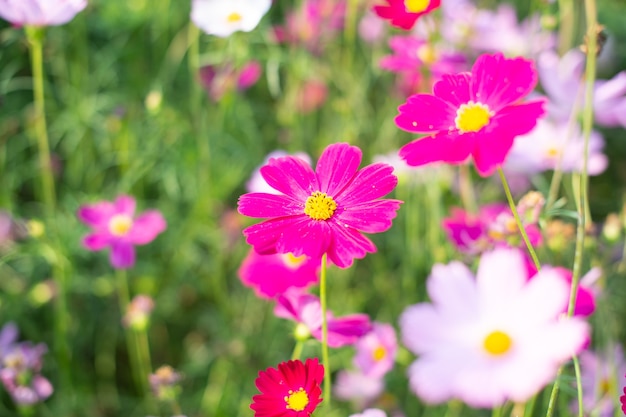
(376, 351)
(115, 225)
(223, 18)
(40, 12)
(404, 13)
(492, 338)
(322, 211)
(272, 275)
(219, 80)
(600, 373)
(20, 373)
(138, 312)
(474, 114)
(164, 383)
(291, 390)
(306, 310)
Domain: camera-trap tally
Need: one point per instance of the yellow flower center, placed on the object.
(293, 261)
(120, 224)
(497, 343)
(320, 206)
(416, 6)
(604, 387)
(552, 153)
(234, 17)
(471, 117)
(427, 54)
(379, 353)
(297, 400)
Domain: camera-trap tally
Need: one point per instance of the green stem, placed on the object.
(579, 387)
(297, 350)
(518, 221)
(35, 41)
(325, 360)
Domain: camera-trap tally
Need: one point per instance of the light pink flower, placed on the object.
(404, 13)
(223, 18)
(476, 114)
(306, 310)
(322, 211)
(116, 227)
(356, 387)
(492, 338)
(272, 275)
(40, 12)
(371, 412)
(376, 351)
(601, 375)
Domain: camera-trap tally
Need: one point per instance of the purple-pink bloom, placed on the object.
(476, 114)
(272, 275)
(115, 226)
(8, 337)
(306, 309)
(40, 12)
(376, 351)
(323, 211)
(20, 373)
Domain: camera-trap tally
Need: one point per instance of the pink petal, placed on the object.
(346, 330)
(371, 217)
(291, 176)
(337, 166)
(450, 287)
(453, 88)
(96, 241)
(146, 227)
(264, 236)
(97, 215)
(122, 255)
(491, 150)
(264, 205)
(501, 275)
(520, 119)
(125, 205)
(447, 147)
(423, 113)
(499, 81)
(348, 244)
(306, 237)
(372, 182)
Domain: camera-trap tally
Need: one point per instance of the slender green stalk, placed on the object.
(518, 221)
(297, 350)
(497, 411)
(349, 30)
(35, 41)
(566, 25)
(579, 387)
(325, 360)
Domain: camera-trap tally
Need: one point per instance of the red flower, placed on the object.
(292, 390)
(622, 400)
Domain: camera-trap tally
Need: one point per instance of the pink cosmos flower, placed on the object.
(40, 12)
(290, 390)
(322, 211)
(493, 338)
(404, 13)
(114, 226)
(376, 351)
(306, 310)
(600, 375)
(477, 114)
(357, 387)
(257, 184)
(272, 275)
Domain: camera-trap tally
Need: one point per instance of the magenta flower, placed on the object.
(477, 114)
(404, 13)
(376, 351)
(322, 211)
(272, 275)
(306, 310)
(115, 226)
(40, 12)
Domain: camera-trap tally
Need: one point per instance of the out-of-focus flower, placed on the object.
(40, 12)
(20, 373)
(313, 25)
(164, 383)
(219, 80)
(530, 206)
(310, 96)
(291, 390)
(138, 312)
(11, 229)
(492, 338)
(550, 145)
(441, 174)
(600, 376)
(376, 351)
(476, 114)
(562, 80)
(371, 28)
(371, 412)
(404, 13)
(223, 18)
(585, 298)
(272, 275)
(115, 226)
(306, 310)
(493, 226)
(322, 211)
(8, 337)
(499, 31)
(256, 183)
(559, 234)
(356, 387)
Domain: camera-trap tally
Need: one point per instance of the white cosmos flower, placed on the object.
(224, 17)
